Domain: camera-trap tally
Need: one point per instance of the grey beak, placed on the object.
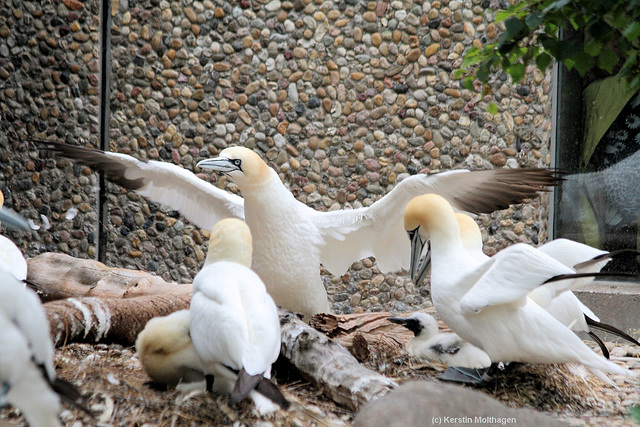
(419, 265)
(11, 219)
(221, 164)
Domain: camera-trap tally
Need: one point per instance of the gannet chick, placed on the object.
(565, 306)
(486, 303)
(447, 348)
(11, 258)
(234, 322)
(290, 239)
(166, 352)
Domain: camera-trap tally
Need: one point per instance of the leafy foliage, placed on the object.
(534, 34)
(635, 414)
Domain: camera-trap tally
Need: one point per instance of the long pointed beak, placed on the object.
(221, 164)
(399, 320)
(419, 265)
(11, 219)
(424, 265)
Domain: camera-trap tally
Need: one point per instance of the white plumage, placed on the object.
(27, 375)
(166, 351)
(486, 303)
(447, 348)
(234, 322)
(290, 239)
(11, 259)
(564, 306)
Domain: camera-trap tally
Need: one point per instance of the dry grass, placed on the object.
(111, 377)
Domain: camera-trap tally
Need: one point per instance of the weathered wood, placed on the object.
(374, 328)
(57, 276)
(89, 302)
(329, 365)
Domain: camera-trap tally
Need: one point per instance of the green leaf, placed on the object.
(634, 411)
(516, 71)
(608, 60)
(492, 108)
(632, 32)
(583, 62)
(502, 15)
(513, 28)
(593, 47)
(468, 83)
(533, 20)
(601, 31)
(457, 74)
(543, 60)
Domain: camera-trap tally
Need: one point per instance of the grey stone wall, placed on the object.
(342, 98)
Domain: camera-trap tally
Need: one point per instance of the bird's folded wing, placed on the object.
(24, 309)
(378, 230)
(219, 333)
(570, 252)
(11, 259)
(263, 322)
(511, 275)
(166, 183)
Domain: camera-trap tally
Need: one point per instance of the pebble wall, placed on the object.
(343, 98)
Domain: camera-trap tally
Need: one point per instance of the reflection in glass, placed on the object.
(600, 205)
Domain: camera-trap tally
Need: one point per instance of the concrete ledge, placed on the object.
(615, 303)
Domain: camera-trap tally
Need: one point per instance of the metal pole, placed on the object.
(103, 122)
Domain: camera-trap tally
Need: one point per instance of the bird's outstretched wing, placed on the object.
(510, 275)
(378, 230)
(199, 201)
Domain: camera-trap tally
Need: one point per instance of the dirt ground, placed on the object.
(112, 379)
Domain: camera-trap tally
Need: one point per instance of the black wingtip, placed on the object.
(603, 348)
(70, 394)
(273, 393)
(611, 329)
(594, 274)
(243, 386)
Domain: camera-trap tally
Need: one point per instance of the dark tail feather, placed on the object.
(611, 329)
(272, 392)
(603, 348)
(70, 394)
(612, 254)
(595, 274)
(244, 384)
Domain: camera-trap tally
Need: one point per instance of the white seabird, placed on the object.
(234, 323)
(290, 239)
(11, 258)
(27, 375)
(447, 348)
(166, 351)
(486, 303)
(564, 306)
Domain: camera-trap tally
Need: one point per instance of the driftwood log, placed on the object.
(86, 301)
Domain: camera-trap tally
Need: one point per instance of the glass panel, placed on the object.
(600, 204)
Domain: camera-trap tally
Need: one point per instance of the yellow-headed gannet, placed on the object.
(565, 306)
(290, 239)
(166, 352)
(27, 375)
(486, 303)
(447, 348)
(234, 322)
(11, 258)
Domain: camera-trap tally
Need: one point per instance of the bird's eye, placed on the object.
(237, 162)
